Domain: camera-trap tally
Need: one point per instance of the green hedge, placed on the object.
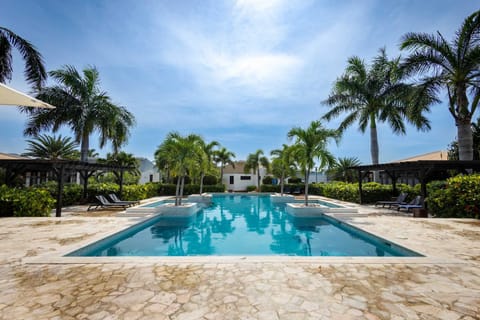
(28, 202)
(458, 198)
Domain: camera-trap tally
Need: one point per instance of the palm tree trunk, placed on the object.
(84, 147)
(221, 173)
(181, 190)
(374, 146)
(307, 174)
(177, 191)
(201, 182)
(465, 139)
(282, 179)
(258, 179)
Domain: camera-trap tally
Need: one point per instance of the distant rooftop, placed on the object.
(11, 156)
(435, 155)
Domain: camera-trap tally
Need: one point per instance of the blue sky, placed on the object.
(240, 72)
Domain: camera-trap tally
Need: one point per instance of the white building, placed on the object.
(235, 179)
(148, 171)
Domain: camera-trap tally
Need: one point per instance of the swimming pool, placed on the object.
(242, 225)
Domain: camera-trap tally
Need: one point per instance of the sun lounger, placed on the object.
(116, 200)
(414, 204)
(398, 201)
(104, 203)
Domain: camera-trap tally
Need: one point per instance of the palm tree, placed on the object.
(224, 157)
(377, 94)
(206, 159)
(180, 153)
(83, 107)
(283, 164)
(454, 66)
(253, 163)
(340, 169)
(51, 147)
(122, 159)
(34, 69)
(311, 144)
(453, 147)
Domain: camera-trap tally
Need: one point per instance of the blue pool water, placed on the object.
(243, 225)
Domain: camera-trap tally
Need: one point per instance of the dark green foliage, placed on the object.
(28, 202)
(251, 188)
(294, 180)
(210, 180)
(458, 198)
(267, 180)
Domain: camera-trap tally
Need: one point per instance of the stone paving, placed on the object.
(444, 285)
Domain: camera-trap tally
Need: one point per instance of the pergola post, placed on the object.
(84, 175)
(360, 178)
(60, 178)
(394, 178)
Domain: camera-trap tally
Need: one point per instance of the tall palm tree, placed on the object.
(83, 107)
(310, 144)
(224, 157)
(180, 153)
(34, 69)
(254, 162)
(454, 66)
(51, 147)
(206, 159)
(340, 169)
(377, 94)
(283, 164)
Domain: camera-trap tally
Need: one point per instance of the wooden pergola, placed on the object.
(15, 167)
(423, 170)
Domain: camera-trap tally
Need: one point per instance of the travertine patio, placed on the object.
(36, 283)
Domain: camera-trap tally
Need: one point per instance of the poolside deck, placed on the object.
(443, 285)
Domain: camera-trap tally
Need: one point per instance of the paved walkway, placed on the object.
(444, 285)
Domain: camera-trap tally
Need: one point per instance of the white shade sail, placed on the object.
(12, 97)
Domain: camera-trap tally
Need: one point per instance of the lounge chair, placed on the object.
(297, 190)
(398, 201)
(116, 200)
(104, 203)
(414, 204)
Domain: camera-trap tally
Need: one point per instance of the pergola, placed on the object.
(15, 167)
(424, 171)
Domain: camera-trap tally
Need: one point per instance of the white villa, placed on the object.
(235, 179)
(148, 171)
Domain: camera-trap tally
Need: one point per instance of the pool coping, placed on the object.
(58, 257)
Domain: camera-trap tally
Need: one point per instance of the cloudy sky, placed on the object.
(240, 72)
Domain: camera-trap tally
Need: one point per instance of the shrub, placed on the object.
(267, 180)
(269, 188)
(251, 188)
(294, 180)
(210, 180)
(459, 198)
(29, 202)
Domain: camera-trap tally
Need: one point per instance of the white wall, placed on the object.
(145, 176)
(241, 185)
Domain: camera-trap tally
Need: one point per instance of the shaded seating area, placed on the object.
(60, 170)
(103, 203)
(397, 201)
(423, 170)
(416, 203)
(115, 199)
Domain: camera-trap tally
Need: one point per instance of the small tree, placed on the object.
(311, 144)
(253, 163)
(283, 164)
(51, 147)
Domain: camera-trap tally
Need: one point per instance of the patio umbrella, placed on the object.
(12, 97)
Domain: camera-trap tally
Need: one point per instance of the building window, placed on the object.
(151, 178)
(231, 179)
(245, 178)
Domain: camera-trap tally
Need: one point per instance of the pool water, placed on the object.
(243, 225)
